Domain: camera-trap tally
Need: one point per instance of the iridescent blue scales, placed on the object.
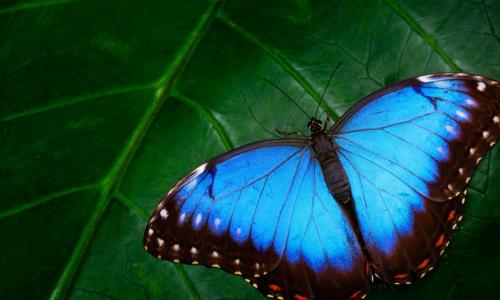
(266, 211)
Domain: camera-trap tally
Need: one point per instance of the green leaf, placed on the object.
(106, 104)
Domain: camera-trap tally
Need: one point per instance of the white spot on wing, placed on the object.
(164, 213)
(160, 242)
(217, 222)
(461, 114)
(182, 218)
(238, 231)
(449, 128)
(150, 231)
(193, 250)
(440, 149)
(425, 78)
(198, 219)
(481, 86)
(471, 102)
(199, 170)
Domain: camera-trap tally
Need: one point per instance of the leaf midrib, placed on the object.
(119, 168)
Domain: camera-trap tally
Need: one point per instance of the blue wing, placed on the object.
(407, 149)
(263, 211)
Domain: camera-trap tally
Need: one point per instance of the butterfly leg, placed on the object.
(288, 133)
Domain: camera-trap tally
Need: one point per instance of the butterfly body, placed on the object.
(333, 172)
(375, 196)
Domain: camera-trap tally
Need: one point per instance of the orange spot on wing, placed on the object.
(356, 294)
(423, 264)
(274, 288)
(440, 241)
(451, 216)
(299, 297)
(401, 276)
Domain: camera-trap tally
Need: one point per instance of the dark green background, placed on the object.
(104, 105)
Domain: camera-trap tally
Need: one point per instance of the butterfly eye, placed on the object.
(314, 125)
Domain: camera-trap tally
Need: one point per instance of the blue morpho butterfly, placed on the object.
(375, 196)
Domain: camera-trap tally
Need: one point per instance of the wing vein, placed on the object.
(379, 155)
(384, 127)
(263, 176)
(286, 198)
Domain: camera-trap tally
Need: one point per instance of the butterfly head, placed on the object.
(315, 125)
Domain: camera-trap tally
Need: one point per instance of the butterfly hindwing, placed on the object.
(319, 224)
(404, 232)
(263, 211)
(409, 151)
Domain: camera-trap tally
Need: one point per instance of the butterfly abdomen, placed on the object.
(335, 176)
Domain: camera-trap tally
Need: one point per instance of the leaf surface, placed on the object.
(106, 104)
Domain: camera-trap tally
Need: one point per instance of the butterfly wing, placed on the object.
(262, 211)
(409, 151)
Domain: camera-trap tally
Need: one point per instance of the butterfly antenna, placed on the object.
(254, 117)
(286, 95)
(326, 88)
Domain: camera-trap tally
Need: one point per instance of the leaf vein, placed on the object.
(34, 5)
(221, 132)
(47, 198)
(120, 166)
(426, 37)
(75, 100)
(282, 62)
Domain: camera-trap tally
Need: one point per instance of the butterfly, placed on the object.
(375, 197)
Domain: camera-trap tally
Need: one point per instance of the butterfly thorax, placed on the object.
(325, 149)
